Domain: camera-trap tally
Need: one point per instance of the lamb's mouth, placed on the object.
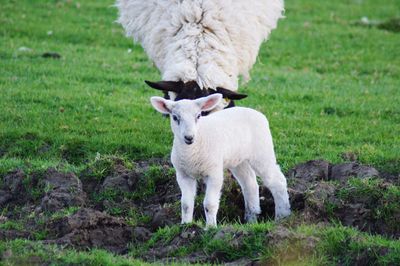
(188, 142)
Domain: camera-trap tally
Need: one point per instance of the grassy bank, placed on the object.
(327, 84)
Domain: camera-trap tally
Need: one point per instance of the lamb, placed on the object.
(200, 46)
(237, 139)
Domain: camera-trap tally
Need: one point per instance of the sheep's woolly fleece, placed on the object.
(209, 41)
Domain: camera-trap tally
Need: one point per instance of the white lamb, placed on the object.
(200, 46)
(237, 139)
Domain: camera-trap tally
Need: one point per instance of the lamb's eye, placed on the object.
(175, 118)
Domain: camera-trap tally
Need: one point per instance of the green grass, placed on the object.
(24, 252)
(327, 85)
(11, 225)
(301, 245)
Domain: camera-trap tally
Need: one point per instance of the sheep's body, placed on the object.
(208, 41)
(237, 139)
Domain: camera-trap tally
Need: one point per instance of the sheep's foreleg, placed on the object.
(211, 200)
(188, 193)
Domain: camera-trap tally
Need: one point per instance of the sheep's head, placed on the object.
(185, 114)
(191, 90)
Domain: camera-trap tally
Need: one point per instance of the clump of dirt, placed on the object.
(5, 197)
(391, 24)
(342, 172)
(162, 217)
(53, 55)
(316, 200)
(12, 188)
(141, 234)
(311, 171)
(11, 234)
(89, 228)
(63, 190)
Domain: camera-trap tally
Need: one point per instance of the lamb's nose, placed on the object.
(189, 139)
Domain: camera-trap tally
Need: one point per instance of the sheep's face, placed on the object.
(191, 90)
(185, 114)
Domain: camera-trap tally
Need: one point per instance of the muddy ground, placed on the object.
(115, 205)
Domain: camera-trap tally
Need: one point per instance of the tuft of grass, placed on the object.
(12, 225)
(135, 217)
(381, 197)
(162, 237)
(146, 185)
(24, 252)
(347, 246)
(64, 212)
(102, 166)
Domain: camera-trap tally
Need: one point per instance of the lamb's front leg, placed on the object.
(211, 201)
(187, 185)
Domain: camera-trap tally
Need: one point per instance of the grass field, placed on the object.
(328, 85)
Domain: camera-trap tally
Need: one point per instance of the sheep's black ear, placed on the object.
(175, 86)
(231, 95)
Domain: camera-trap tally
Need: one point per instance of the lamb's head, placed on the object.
(191, 90)
(185, 114)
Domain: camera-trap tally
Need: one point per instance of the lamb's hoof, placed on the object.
(251, 218)
(282, 215)
(210, 226)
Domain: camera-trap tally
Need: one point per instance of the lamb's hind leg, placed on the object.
(247, 179)
(275, 181)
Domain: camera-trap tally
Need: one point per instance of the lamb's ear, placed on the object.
(210, 102)
(231, 95)
(175, 86)
(161, 105)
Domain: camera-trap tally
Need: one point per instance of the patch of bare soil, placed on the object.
(315, 189)
(102, 205)
(12, 189)
(89, 228)
(61, 190)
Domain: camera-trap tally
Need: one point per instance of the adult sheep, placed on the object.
(201, 47)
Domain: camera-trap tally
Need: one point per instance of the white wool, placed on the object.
(209, 41)
(237, 139)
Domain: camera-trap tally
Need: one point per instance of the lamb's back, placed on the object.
(237, 117)
(236, 132)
